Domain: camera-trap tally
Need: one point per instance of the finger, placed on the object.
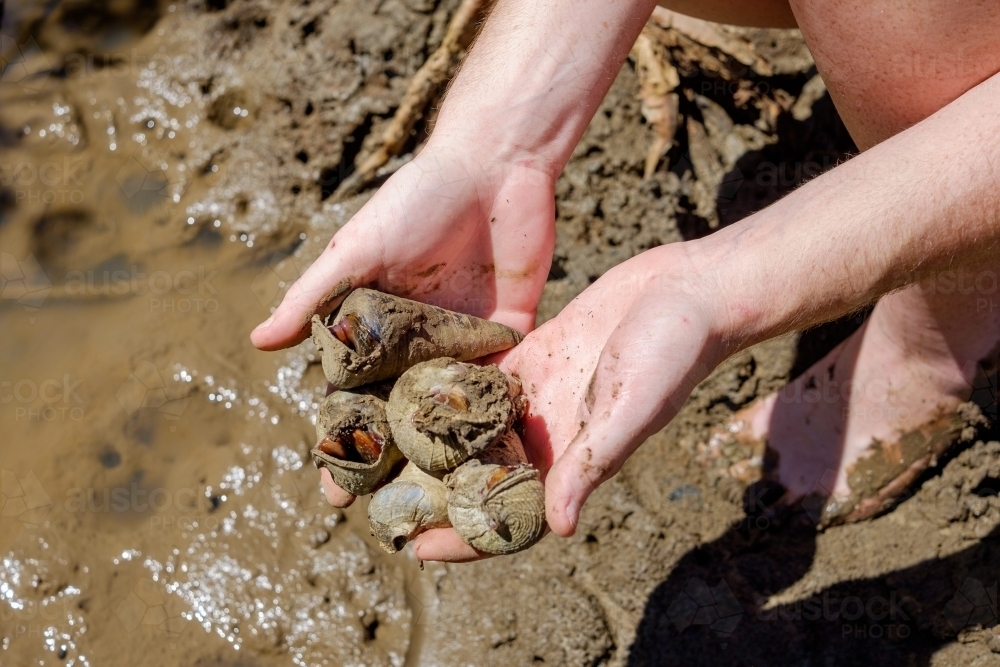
(521, 320)
(349, 261)
(444, 544)
(335, 495)
(616, 413)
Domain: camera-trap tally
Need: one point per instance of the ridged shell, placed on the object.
(397, 334)
(495, 508)
(404, 508)
(474, 505)
(443, 411)
(345, 411)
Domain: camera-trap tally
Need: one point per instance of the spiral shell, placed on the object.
(355, 442)
(375, 336)
(442, 412)
(496, 508)
(404, 508)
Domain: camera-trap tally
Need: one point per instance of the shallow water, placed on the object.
(155, 480)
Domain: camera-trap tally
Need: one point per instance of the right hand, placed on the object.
(474, 236)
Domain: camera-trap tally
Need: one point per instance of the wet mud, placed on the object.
(168, 172)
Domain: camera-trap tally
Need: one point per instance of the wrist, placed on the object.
(717, 282)
(493, 172)
(496, 143)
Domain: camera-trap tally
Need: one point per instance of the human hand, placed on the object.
(471, 236)
(610, 370)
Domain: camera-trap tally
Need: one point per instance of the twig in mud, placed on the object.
(713, 36)
(814, 89)
(428, 80)
(657, 80)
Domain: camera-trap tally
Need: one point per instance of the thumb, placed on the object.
(349, 261)
(612, 426)
(647, 369)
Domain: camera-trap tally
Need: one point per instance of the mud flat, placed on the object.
(169, 169)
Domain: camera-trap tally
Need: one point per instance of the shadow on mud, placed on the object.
(713, 609)
(716, 607)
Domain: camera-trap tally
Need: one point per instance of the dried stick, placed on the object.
(428, 80)
(657, 80)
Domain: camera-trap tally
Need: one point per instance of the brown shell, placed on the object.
(344, 413)
(498, 509)
(407, 506)
(392, 334)
(443, 411)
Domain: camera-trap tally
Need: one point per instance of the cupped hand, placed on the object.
(471, 236)
(602, 376)
(474, 236)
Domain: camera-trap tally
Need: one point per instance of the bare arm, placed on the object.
(924, 201)
(536, 75)
(653, 327)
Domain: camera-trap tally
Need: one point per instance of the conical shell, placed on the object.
(443, 411)
(392, 334)
(343, 413)
(407, 506)
(498, 509)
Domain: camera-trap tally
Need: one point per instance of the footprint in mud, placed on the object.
(74, 27)
(68, 239)
(232, 110)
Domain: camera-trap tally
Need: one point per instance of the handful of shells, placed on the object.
(436, 446)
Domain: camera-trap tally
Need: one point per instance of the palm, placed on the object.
(479, 243)
(648, 341)
(555, 364)
(473, 247)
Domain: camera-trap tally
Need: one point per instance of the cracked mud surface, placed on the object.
(158, 499)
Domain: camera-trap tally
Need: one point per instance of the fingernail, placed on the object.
(265, 324)
(571, 513)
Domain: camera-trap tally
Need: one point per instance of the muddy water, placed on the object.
(166, 175)
(155, 487)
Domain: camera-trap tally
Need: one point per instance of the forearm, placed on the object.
(921, 202)
(536, 75)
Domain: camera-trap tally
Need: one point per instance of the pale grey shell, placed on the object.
(399, 333)
(439, 436)
(404, 508)
(344, 410)
(495, 508)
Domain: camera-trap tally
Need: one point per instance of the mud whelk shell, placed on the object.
(498, 509)
(405, 507)
(354, 441)
(443, 411)
(375, 336)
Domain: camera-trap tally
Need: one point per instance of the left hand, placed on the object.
(610, 370)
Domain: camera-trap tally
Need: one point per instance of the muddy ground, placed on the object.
(168, 171)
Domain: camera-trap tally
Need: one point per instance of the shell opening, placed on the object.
(357, 445)
(399, 542)
(452, 396)
(356, 334)
(346, 331)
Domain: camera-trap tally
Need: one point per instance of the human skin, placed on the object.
(921, 199)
